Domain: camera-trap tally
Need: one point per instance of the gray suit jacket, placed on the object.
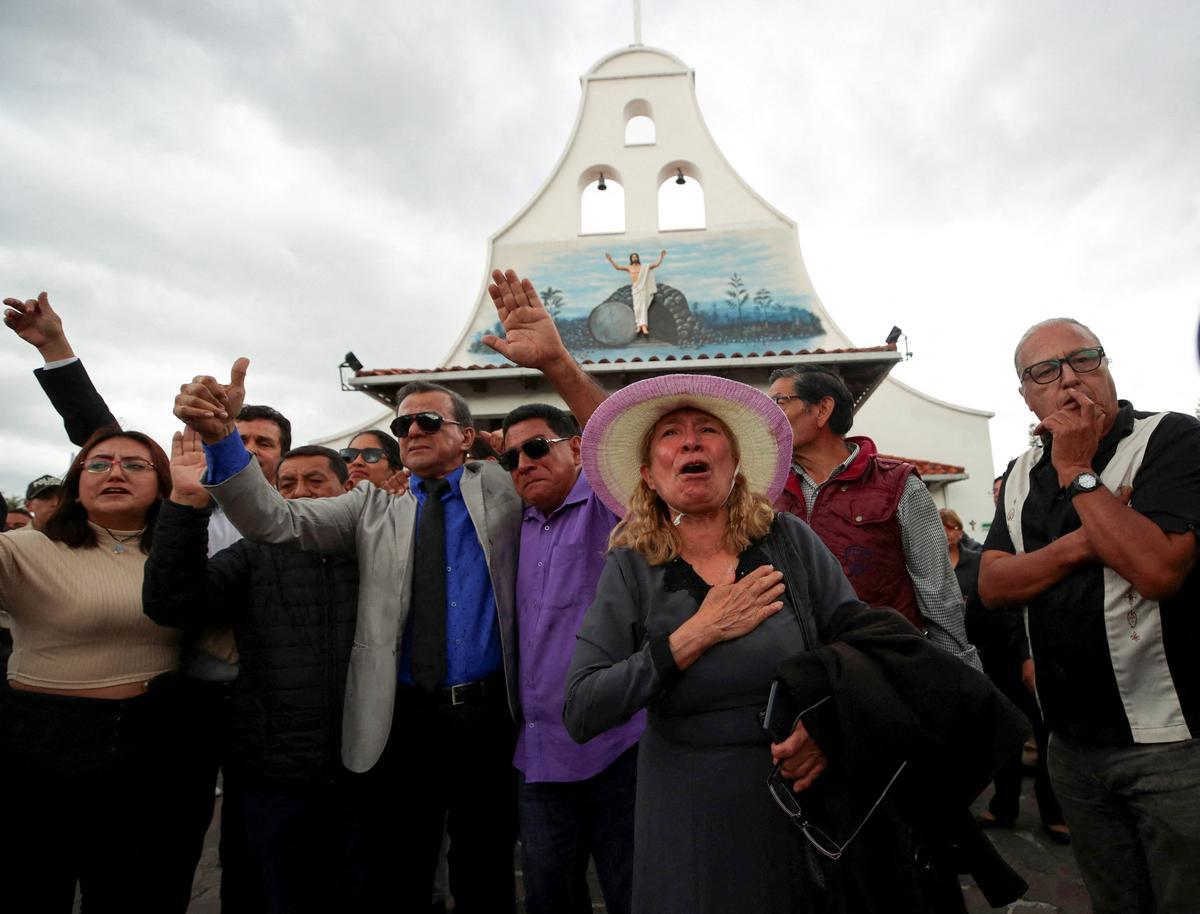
(379, 527)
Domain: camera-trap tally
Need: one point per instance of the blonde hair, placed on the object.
(949, 514)
(647, 526)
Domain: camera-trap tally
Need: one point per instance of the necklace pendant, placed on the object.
(118, 548)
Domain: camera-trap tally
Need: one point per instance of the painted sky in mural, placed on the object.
(737, 293)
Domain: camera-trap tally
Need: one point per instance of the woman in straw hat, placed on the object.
(691, 618)
(707, 595)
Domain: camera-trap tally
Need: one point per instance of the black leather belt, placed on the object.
(469, 694)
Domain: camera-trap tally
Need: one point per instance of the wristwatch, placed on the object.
(1084, 482)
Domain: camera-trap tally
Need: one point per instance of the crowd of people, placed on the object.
(692, 632)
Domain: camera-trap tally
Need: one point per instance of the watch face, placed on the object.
(1086, 481)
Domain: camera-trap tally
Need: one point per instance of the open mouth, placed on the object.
(114, 490)
(695, 466)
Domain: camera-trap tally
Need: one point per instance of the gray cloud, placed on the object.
(193, 182)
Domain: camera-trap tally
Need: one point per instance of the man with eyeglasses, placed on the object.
(874, 514)
(1095, 532)
(433, 721)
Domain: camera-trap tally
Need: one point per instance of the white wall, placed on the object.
(908, 423)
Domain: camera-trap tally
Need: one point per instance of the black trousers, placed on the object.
(241, 882)
(452, 767)
(306, 844)
(98, 792)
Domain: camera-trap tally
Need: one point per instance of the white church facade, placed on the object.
(641, 173)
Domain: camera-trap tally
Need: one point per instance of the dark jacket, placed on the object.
(855, 515)
(999, 634)
(75, 398)
(293, 615)
(897, 698)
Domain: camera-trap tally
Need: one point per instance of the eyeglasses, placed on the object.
(368, 454)
(128, 464)
(1081, 361)
(426, 422)
(779, 401)
(534, 449)
(785, 799)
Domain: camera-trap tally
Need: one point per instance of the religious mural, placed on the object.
(706, 294)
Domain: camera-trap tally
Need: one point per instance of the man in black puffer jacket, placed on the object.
(293, 616)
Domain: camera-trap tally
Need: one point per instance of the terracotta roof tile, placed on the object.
(686, 357)
(929, 467)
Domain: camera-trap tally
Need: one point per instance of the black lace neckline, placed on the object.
(679, 575)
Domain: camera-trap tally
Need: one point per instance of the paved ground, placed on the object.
(1054, 883)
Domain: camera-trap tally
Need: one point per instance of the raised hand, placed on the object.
(397, 483)
(210, 407)
(187, 469)
(34, 321)
(494, 438)
(530, 338)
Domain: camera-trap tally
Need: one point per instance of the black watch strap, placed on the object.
(1084, 482)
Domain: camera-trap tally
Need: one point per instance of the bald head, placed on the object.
(1042, 325)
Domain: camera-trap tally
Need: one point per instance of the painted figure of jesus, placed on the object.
(641, 280)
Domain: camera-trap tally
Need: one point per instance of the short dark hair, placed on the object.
(69, 523)
(462, 412)
(336, 463)
(386, 443)
(812, 384)
(561, 422)
(249, 413)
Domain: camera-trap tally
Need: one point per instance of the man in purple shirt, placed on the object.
(573, 801)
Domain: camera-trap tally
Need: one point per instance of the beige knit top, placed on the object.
(77, 619)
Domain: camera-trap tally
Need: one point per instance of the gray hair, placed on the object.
(1048, 323)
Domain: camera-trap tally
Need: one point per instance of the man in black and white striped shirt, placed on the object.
(1095, 531)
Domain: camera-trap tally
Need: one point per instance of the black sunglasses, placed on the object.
(534, 449)
(426, 422)
(368, 454)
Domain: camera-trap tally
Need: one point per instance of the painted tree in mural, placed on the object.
(553, 299)
(736, 295)
(762, 298)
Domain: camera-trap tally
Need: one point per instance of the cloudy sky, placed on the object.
(290, 180)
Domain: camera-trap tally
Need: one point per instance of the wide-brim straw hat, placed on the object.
(613, 437)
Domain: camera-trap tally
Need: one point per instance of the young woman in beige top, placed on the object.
(93, 723)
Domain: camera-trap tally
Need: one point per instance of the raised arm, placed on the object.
(63, 378)
(34, 321)
(531, 340)
(661, 257)
(615, 265)
(182, 587)
(252, 504)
